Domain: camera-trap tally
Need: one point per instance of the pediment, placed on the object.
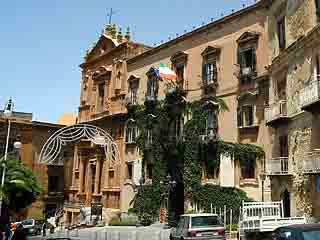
(133, 78)
(104, 44)
(102, 70)
(179, 56)
(247, 94)
(211, 50)
(248, 36)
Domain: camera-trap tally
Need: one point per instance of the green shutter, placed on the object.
(254, 60)
(204, 72)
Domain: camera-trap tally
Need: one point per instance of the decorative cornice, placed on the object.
(248, 36)
(211, 50)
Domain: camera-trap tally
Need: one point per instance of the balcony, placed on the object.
(308, 163)
(309, 96)
(276, 113)
(278, 166)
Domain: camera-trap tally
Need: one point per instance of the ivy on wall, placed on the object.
(189, 154)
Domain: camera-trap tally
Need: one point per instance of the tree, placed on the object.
(20, 188)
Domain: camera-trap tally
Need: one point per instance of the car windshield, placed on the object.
(27, 222)
(205, 221)
(311, 235)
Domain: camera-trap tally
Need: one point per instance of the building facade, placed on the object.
(102, 103)
(226, 59)
(53, 179)
(293, 112)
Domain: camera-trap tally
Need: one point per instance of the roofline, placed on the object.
(82, 65)
(47, 124)
(259, 4)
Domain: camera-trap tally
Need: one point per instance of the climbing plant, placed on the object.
(186, 155)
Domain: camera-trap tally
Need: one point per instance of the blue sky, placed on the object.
(42, 43)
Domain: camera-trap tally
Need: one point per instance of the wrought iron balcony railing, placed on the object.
(276, 111)
(277, 166)
(310, 94)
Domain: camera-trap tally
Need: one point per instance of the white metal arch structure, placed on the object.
(50, 151)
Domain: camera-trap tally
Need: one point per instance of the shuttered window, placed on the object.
(209, 69)
(246, 116)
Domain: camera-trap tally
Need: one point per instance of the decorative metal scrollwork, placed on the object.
(51, 150)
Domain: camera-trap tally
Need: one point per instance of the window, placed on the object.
(247, 60)
(247, 171)
(133, 92)
(152, 89)
(212, 123)
(318, 67)
(149, 136)
(180, 74)
(129, 171)
(246, 116)
(283, 142)
(178, 127)
(209, 69)
(100, 103)
(131, 133)
(149, 171)
(210, 173)
(318, 8)
(282, 33)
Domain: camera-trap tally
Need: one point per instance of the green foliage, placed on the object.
(115, 221)
(191, 154)
(234, 227)
(21, 188)
(219, 197)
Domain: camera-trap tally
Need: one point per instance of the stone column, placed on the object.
(81, 178)
(98, 175)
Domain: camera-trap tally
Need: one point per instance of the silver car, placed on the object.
(203, 226)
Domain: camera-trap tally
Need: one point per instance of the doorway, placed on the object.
(285, 196)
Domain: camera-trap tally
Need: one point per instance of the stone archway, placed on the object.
(50, 151)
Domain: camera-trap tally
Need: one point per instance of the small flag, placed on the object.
(166, 73)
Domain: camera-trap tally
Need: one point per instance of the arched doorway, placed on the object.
(285, 197)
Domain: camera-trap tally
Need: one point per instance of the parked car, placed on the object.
(297, 232)
(202, 226)
(32, 226)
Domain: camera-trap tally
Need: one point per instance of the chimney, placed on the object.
(127, 36)
(113, 31)
(119, 36)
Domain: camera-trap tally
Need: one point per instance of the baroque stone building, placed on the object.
(225, 58)
(293, 111)
(102, 103)
(53, 179)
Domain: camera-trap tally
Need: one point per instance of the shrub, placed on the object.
(115, 221)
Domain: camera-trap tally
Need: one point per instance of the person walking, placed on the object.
(44, 226)
(20, 233)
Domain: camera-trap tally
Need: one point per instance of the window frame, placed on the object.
(245, 78)
(242, 118)
(281, 31)
(133, 94)
(210, 77)
(129, 166)
(248, 171)
(131, 133)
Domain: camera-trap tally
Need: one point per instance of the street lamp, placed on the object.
(170, 184)
(7, 113)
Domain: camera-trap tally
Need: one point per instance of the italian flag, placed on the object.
(166, 73)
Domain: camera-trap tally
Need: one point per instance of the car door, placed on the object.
(178, 232)
(185, 226)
